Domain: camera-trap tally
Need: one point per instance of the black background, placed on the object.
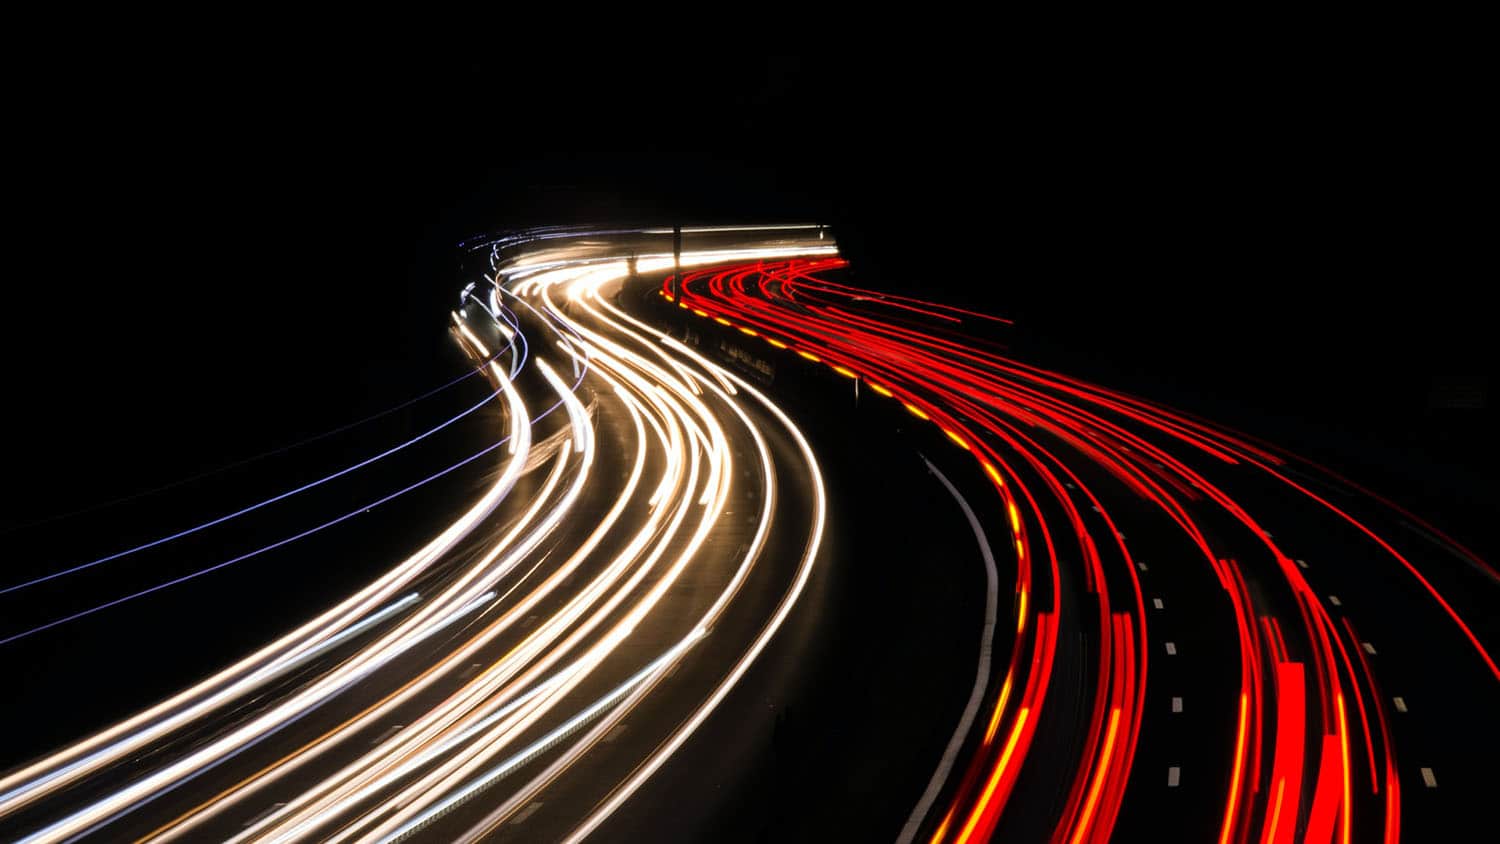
(259, 243)
(215, 251)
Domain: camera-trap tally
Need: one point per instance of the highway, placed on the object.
(711, 544)
(1201, 636)
(670, 519)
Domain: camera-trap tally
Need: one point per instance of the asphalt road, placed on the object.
(623, 559)
(1242, 566)
(741, 553)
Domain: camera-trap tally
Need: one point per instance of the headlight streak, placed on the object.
(371, 657)
(789, 600)
(254, 670)
(142, 791)
(543, 624)
(513, 614)
(655, 394)
(394, 749)
(674, 399)
(486, 572)
(544, 743)
(23, 786)
(976, 397)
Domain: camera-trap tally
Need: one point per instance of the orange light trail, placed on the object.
(1276, 809)
(1345, 822)
(989, 732)
(994, 780)
(989, 469)
(1099, 771)
(942, 828)
(1234, 779)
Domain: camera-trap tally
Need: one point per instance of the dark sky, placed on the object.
(219, 249)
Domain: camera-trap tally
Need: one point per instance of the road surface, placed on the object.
(710, 544)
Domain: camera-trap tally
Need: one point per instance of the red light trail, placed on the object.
(1295, 674)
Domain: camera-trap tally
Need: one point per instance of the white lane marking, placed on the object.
(1174, 776)
(526, 812)
(1334, 599)
(981, 679)
(1176, 704)
(1171, 649)
(1302, 564)
(1156, 602)
(1369, 648)
(1400, 703)
(1428, 778)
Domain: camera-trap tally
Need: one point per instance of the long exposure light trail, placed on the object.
(640, 522)
(993, 408)
(664, 499)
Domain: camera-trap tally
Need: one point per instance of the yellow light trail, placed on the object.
(994, 780)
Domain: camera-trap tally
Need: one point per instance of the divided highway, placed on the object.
(1178, 632)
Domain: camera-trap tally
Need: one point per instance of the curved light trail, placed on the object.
(535, 623)
(1051, 448)
(649, 519)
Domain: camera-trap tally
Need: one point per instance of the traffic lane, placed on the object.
(1302, 527)
(1061, 724)
(837, 727)
(138, 651)
(389, 674)
(1192, 658)
(567, 800)
(1419, 653)
(645, 629)
(832, 411)
(1329, 552)
(1191, 654)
